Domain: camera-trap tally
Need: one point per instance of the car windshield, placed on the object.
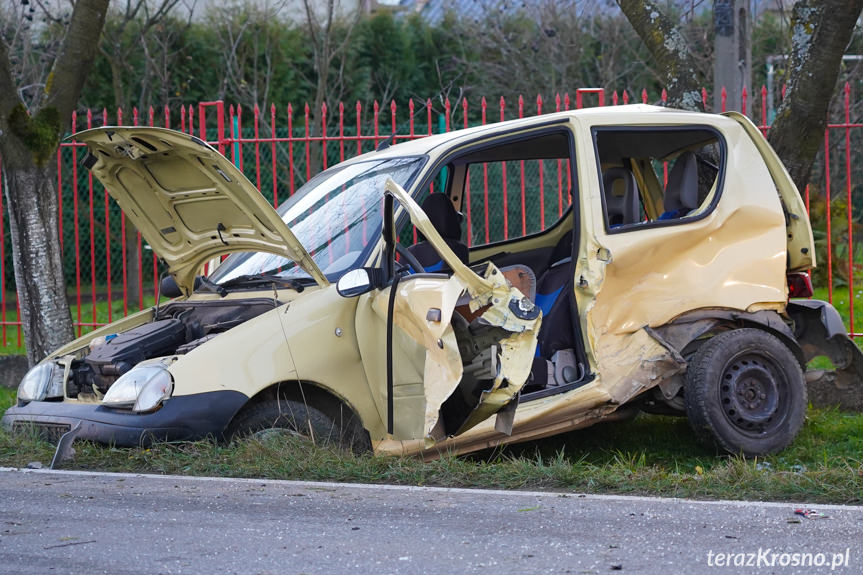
(335, 215)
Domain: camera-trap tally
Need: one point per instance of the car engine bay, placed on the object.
(177, 328)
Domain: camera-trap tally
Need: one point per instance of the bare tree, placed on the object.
(30, 131)
(140, 17)
(161, 50)
(249, 37)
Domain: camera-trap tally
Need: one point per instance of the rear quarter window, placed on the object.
(658, 176)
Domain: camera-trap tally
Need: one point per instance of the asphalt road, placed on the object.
(79, 522)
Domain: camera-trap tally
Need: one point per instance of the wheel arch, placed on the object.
(307, 392)
(690, 330)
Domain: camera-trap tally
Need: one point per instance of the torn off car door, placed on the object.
(460, 346)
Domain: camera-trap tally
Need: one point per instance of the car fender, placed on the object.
(247, 358)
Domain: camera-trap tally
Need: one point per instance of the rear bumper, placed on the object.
(819, 330)
(187, 417)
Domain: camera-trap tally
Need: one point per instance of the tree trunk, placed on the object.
(31, 193)
(820, 31)
(670, 51)
(29, 141)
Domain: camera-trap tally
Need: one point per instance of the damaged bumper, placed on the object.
(819, 331)
(186, 417)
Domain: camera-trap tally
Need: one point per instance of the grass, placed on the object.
(650, 455)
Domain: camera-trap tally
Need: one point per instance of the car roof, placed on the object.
(630, 113)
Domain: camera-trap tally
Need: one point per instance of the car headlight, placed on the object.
(44, 380)
(142, 388)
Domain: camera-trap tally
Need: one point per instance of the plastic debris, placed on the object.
(810, 514)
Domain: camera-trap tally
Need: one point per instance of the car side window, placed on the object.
(506, 191)
(516, 189)
(658, 176)
(513, 199)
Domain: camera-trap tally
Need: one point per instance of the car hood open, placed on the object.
(187, 200)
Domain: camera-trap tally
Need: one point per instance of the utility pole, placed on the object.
(732, 53)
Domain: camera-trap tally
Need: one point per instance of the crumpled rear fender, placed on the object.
(819, 330)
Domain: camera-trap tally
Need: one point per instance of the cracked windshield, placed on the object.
(334, 216)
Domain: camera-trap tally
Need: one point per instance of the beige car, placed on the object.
(367, 312)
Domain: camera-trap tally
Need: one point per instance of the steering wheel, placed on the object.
(410, 258)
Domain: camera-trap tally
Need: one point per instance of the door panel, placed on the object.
(466, 371)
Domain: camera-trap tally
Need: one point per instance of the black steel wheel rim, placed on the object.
(753, 394)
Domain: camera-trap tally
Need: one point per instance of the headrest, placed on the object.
(681, 192)
(445, 219)
(621, 202)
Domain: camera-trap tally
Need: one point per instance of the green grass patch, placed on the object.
(650, 455)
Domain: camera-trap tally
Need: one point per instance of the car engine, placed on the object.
(176, 329)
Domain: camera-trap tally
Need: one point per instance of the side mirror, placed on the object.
(355, 282)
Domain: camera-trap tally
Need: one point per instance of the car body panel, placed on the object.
(801, 241)
(259, 354)
(733, 258)
(187, 200)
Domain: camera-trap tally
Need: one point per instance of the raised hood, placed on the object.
(187, 200)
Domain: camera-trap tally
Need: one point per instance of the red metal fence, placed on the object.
(284, 147)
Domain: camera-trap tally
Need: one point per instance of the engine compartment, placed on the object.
(176, 329)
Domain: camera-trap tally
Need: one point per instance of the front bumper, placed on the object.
(185, 417)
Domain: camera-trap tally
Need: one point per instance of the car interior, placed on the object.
(530, 243)
(657, 174)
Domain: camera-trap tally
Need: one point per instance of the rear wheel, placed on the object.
(276, 416)
(745, 393)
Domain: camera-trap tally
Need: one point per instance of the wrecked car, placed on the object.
(367, 312)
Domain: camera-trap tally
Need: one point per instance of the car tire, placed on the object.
(272, 416)
(745, 393)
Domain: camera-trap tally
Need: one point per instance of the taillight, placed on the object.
(799, 285)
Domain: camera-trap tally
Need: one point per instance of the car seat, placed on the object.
(621, 202)
(681, 191)
(555, 362)
(447, 221)
(556, 329)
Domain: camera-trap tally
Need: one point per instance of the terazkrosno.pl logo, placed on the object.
(770, 558)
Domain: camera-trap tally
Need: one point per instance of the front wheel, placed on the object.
(277, 415)
(745, 393)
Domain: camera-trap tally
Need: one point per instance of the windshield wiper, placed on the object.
(257, 279)
(203, 283)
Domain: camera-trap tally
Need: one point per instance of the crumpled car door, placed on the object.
(461, 346)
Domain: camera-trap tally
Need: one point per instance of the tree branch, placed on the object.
(670, 50)
(8, 89)
(820, 31)
(77, 52)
